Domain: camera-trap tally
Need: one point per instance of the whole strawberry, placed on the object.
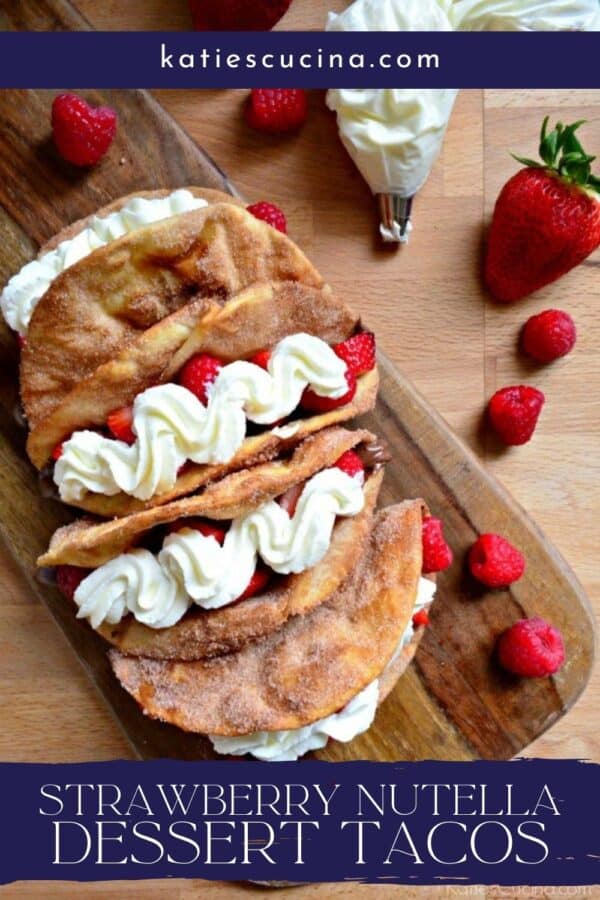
(547, 217)
(237, 15)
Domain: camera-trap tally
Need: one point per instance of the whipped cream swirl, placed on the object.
(22, 293)
(355, 718)
(195, 568)
(173, 426)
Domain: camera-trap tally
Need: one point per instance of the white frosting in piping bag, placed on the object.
(356, 717)
(173, 426)
(395, 136)
(195, 568)
(22, 293)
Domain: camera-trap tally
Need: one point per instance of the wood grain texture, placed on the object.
(435, 325)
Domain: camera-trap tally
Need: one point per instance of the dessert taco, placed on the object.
(319, 676)
(114, 292)
(252, 379)
(282, 537)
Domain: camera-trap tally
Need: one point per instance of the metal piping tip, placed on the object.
(394, 211)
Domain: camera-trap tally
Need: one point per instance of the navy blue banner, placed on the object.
(526, 822)
(298, 59)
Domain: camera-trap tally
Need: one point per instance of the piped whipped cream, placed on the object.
(172, 426)
(194, 568)
(24, 290)
(355, 718)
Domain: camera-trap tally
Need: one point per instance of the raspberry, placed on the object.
(58, 451)
(420, 618)
(261, 358)
(532, 648)
(119, 423)
(351, 463)
(437, 554)
(199, 373)
(82, 133)
(208, 529)
(237, 15)
(276, 110)
(312, 402)
(549, 335)
(358, 352)
(289, 500)
(495, 562)
(269, 213)
(68, 579)
(259, 580)
(514, 411)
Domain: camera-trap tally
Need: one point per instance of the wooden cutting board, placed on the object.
(454, 702)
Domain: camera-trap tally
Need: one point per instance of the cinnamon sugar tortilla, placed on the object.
(96, 307)
(258, 317)
(310, 667)
(203, 633)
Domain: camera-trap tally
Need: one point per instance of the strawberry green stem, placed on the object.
(561, 153)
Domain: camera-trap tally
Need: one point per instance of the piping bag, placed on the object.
(395, 136)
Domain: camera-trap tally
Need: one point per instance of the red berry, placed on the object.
(269, 213)
(531, 648)
(261, 358)
(312, 402)
(82, 133)
(58, 451)
(289, 500)
(514, 412)
(276, 110)
(420, 618)
(119, 423)
(351, 463)
(68, 579)
(495, 562)
(22, 341)
(204, 526)
(237, 15)
(549, 335)
(437, 554)
(257, 583)
(199, 373)
(358, 352)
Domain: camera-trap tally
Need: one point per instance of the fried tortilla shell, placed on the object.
(99, 305)
(310, 667)
(88, 543)
(258, 317)
(203, 633)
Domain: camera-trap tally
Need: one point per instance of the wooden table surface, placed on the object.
(432, 319)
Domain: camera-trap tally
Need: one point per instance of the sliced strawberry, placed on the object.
(68, 579)
(420, 618)
(312, 402)
(204, 526)
(289, 500)
(199, 373)
(58, 451)
(358, 352)
(261, 358)
(351, 463)
(261, 577)
(119, 422)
